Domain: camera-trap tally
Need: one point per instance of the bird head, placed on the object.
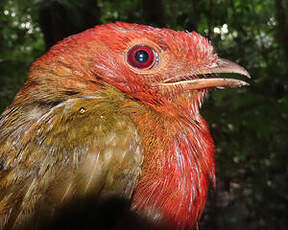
(149, 64)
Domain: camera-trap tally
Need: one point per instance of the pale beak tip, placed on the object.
(246, 74)
(226, 66)
(244, 83)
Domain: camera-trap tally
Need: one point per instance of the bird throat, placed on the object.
(178, 165)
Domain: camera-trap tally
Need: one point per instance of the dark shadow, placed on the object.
(89, 213)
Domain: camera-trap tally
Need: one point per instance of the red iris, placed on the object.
(141, 57)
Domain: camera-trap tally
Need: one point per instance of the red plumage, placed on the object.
(176, 178)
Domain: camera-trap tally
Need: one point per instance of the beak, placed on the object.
(221, 66)
(226, 66)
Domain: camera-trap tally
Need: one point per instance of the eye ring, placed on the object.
(141, 57)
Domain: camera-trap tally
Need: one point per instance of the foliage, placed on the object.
(20, 43)
(249, 125)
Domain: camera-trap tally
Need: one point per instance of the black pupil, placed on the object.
(141, 56)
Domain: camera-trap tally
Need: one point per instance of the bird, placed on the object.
(114, 111)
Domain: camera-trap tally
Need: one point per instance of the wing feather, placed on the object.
(81, 146)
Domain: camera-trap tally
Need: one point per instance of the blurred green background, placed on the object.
(249, 125)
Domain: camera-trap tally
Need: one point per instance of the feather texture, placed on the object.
(89, 123)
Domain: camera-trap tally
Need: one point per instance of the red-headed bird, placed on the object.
(113, 111)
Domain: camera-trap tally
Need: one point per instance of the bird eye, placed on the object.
(141, 57)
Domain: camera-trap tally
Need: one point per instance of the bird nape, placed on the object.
(113, 112)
